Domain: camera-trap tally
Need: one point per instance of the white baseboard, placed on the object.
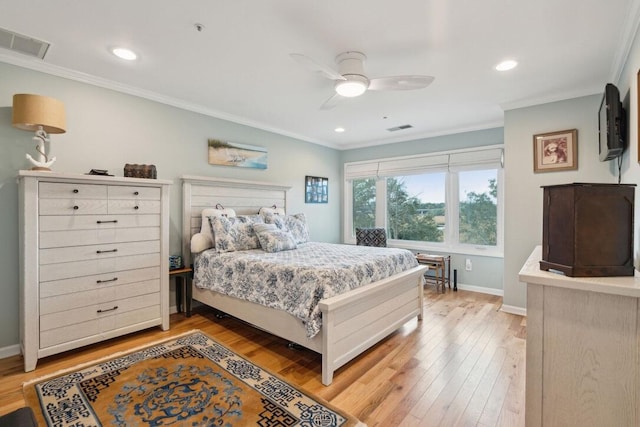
(8, 351)
(13, 350)
(480, 289)
(512, 309)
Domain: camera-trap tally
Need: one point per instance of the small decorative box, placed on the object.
(175, 261)
(140, 171)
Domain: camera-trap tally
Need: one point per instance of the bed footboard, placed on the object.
(353, 322)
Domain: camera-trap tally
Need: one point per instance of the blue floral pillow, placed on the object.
(273, 239)
(234, 234)
(295, 224)
(277, 220)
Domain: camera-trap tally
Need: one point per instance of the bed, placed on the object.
(351, 322)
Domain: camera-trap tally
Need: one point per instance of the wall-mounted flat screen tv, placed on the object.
(611, 124)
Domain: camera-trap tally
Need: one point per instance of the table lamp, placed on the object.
(43, 115)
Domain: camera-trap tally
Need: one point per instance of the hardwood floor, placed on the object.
(463, 365)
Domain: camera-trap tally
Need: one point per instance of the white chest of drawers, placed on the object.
(94, 259)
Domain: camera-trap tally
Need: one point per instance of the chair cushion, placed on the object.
(371, 237)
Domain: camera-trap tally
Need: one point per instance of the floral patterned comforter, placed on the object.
(296, 280)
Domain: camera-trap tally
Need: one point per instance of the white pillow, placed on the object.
(199, 243)
(204, 240)
(271, 211)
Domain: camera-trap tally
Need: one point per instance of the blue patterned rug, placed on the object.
(187, 381)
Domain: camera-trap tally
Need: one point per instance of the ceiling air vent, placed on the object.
(401, 127)
(23, 44)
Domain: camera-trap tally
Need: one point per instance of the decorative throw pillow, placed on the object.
(297, 225)
(272, 239)
(253, 219)
(204, 240)
(277, 220)
(234, 234)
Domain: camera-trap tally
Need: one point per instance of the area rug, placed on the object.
(189, 380)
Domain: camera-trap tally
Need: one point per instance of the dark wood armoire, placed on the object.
(588, 229)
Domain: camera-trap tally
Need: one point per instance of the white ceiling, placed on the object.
(238, 68)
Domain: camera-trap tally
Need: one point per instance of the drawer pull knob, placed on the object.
(107, 281)
(114, 221)
(108, 309)
(75, 208)
(136, 207)
(135, 193)
(105, 252)
(75, 190)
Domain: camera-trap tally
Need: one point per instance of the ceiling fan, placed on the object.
(351, 81)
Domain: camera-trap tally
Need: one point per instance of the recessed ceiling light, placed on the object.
(124, 53)
(507, 65)
(339, 129)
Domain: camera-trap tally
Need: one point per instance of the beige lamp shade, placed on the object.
(32, 111)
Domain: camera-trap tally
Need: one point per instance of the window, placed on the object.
(416, 207)
(364, 203)
(478, 211)
(444, 201)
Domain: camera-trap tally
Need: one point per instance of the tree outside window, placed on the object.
(409, 215)
(364, 203)
(478, 221)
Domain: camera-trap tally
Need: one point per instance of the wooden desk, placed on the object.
(183, 278)
(437, 263)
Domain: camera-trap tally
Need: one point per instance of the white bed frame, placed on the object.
(351, 322)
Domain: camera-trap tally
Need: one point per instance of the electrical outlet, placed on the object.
(468, 266)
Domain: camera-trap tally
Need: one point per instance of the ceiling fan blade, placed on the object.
(400, 82)
(331, 102)
(313, 65)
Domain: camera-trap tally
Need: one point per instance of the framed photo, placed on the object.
(316, 189)
(555, 151)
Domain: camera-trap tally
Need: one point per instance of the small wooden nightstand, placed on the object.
(183, 278)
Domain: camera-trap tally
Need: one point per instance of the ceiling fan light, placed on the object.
(350, 88)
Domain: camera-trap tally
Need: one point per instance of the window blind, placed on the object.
(489, 158)
(433, 162)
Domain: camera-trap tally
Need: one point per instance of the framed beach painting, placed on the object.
(224, 153)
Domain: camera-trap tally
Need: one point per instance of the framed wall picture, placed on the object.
(555, 151)
(316, 189)
(224, 153)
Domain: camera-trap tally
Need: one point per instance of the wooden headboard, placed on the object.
(245, 197)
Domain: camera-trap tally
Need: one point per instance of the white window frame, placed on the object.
(433, 163)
